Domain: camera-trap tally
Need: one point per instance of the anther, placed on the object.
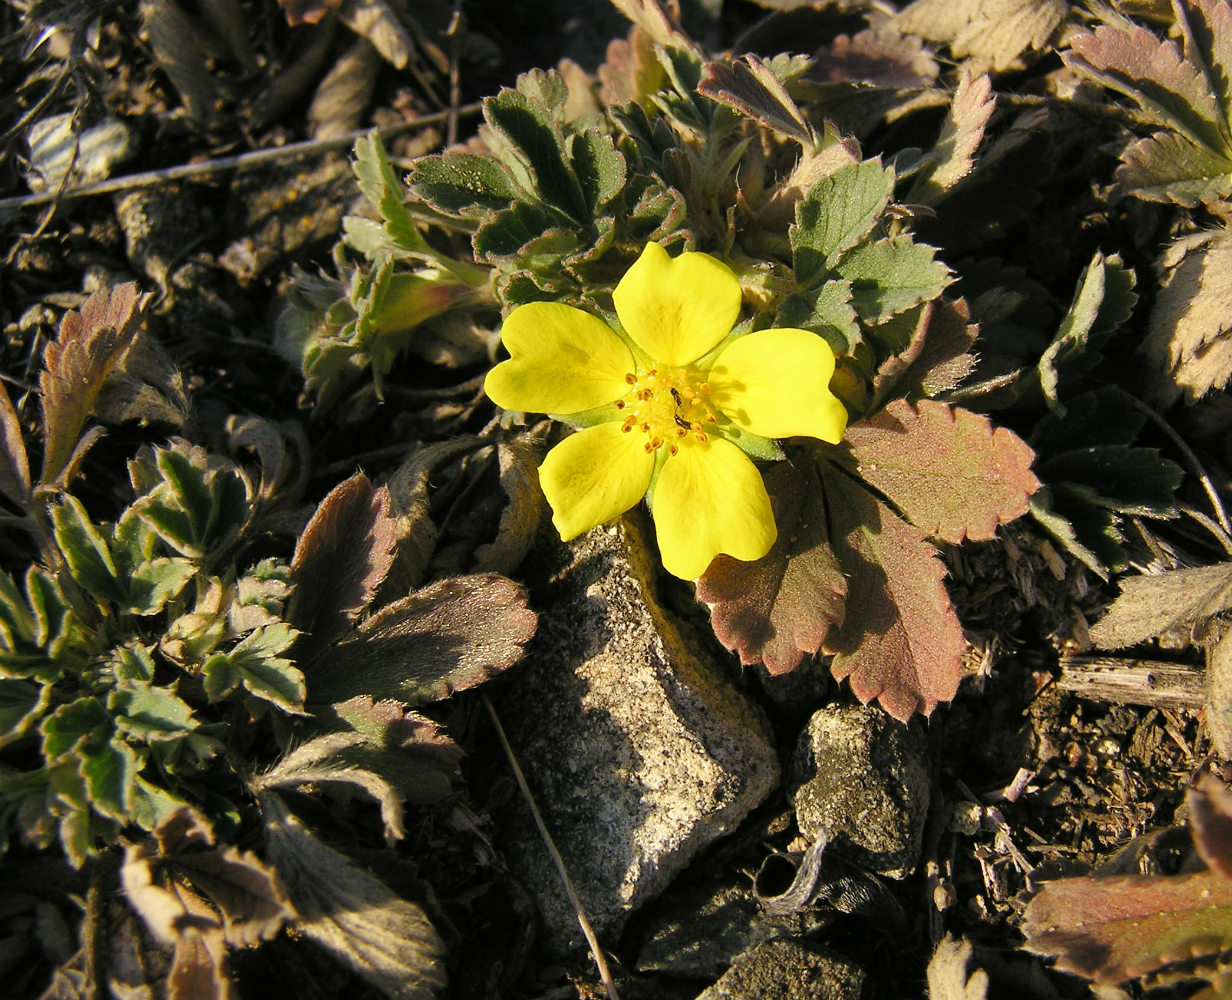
(620, 404)
(701, 437)
(705, 388)
(672, 450)
(711, 418)
(630, 378)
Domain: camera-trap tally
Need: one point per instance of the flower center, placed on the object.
(667, 406)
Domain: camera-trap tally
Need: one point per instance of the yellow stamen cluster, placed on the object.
(667, 406)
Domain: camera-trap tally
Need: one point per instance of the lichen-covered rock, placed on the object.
(788, 970)
(637, 745)
(865, 783)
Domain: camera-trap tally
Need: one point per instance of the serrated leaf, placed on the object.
(947, 972)
(320, 761)
(152, 584)
(892, 275)
(1171, 168)
(14, 463)
(518, 461)
(779, 609)
(838, 212)
(994, 31)
(749, 86)
(22, 704)
(444, 638)
(343, 555)
(1149, 606)
(954, 154)
(950, 472)
(1103, 301)
(1170, 88)
(826, 311)
(1118, 928)
(900, 641)
(253, 663)
(151, 713)
(936, 358)
(1218, 709)
(1207, 28)
(110, 771)
(599, 167)
(1104, 416)
(1123, 479)
(1084, 529)
(86, 551)
(462, 185)
(380, 186)
(1189, 336)
(385, 939)
(91, 345)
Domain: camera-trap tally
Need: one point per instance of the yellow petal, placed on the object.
(563, 361)
(593, 476)
(677, 309)
(710, 498)
(776, 383)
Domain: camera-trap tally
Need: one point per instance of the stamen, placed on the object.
(620, 404)
(704, 388)
(630, 378)
(673, 450)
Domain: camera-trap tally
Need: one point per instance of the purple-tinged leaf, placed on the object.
(1121, 927)
(778, 609)
(882, 58)
(341, 558)
(14, 464)
(936, 357)
(1168, 167)
(961, 133)
(447, 637)
(948, 470)
(749, 86)
(900, 641)
(1206, 26)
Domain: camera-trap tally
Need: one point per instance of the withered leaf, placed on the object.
(343, 555)
(518, 460)
(199, 968)
(14, 463)
(1189, 337)
(307, 11)
(900, 641)
(996, 32)
(960, 135)
(1219, 695)
(883, 58)
(1210, 822)
(446, 637)
(947, 469)
(91, 345)
(778, 609)
(1121, 927)
(1149, 606)
(386, 939)
(947, 972)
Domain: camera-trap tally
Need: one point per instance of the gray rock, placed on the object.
(866, 784)
(788, 970)
(697, 931)
(638, 748)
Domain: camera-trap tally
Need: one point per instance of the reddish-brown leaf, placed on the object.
(307, 11)
(936, 357)
(92, 344)
(1118, 928)
(1210, 822)
(900, 642)
(447, 637)
(341, 558)
(14, 465)
(948, 470)
(778, 609)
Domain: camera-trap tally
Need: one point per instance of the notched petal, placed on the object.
(776, 383)
(563, 360)
(709, 499)
(594, 476)
(677, 309)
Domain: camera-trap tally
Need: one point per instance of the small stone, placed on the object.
(638, 746)
(865, 785)
(788, 970)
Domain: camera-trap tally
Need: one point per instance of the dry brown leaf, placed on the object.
(993, 32)
(307, 11)
(376, 21)
(1189, 337)
(342, 97)
(947, 972)
(1151, 605)
(519, 478)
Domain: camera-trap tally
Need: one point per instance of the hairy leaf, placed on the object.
(778, 609)
(825, 310)
(1152, 605)
(22, 704)
(1219, 695)
(86, 551)
(1120, 478)
(838, 212)
(994, 31)
(1210, 822)
(14, 463)
(462, 184)
(900, 641)
(947, 469)
(444, 638)
(1103, 301)
(151, 713)
(749, 86)
(599, 167)
(936, 358)
(892, 275)
(518, 461)
(90, 347)
(253, 663)
(947, 972)
(961, 133)
(357, 918)
(1169, 167)
(1189, 337)
(341, 558)
(381, 187)
(1117, 928)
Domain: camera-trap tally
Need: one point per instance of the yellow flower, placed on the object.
(669, 406)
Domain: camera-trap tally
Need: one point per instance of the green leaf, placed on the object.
(110, 772)
(1128, 480)
(599, 167)
(948, 470)
(826, 311)
(1085, 530)
(22, 704)
(892, 275)
(86, 551)
(380, 186)
(900, 641)
(75, 726)
(838, 212)
(39, 636)
(150, 713)
(526, 235)
(462, 185)
(779, 609)
(132, 663)
(1103, 416)
(1103, 301)
(154, 583)
(253, 662)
